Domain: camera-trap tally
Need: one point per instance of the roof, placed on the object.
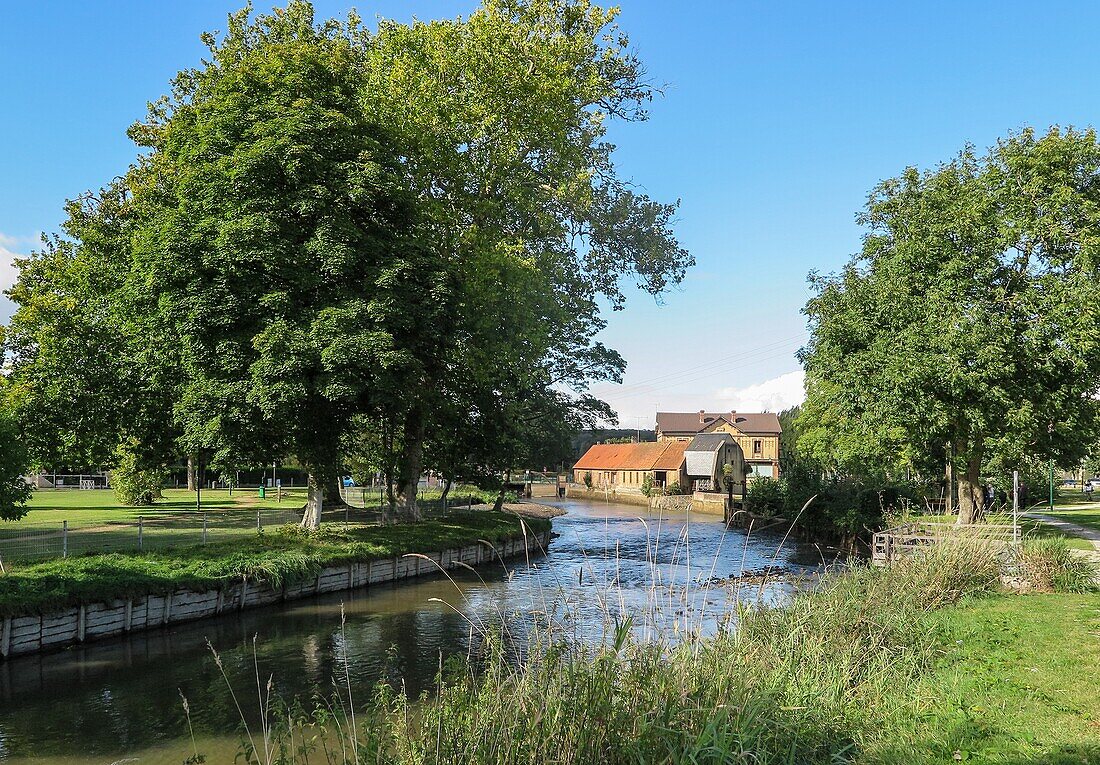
(746, 422)
(709, 442)
(701, 456)
(663, 455)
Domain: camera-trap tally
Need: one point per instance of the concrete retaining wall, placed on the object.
(95, 621)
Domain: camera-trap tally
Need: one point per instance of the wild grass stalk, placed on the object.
(803, 683)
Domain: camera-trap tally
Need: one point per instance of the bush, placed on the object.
(647, 485)
(133, 485)
(1050, 565)
(588, 480)
(765, 496)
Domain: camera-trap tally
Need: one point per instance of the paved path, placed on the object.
(1074, 529)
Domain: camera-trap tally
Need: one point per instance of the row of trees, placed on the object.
(385, 248)
(963, 341)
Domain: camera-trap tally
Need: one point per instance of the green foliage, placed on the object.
(274, 558)
(1048, 564)
(587, 478)
(328, 242)
(135, 485)
(14, 463)
(965, 329)
(765, 496)
(647, 485)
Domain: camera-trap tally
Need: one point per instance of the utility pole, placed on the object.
(1052, 484)
(1015, 506)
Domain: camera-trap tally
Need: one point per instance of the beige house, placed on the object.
(625, 466)
(757, 433)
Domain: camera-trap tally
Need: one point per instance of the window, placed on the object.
(757, 446)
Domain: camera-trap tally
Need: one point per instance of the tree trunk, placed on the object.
(192, 472)
(446, 491)
(949, 475)
(970, 490)
(332, 495)
(315, 501)
(412, 457)
(499, 504)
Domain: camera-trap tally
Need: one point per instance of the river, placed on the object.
(120, 700)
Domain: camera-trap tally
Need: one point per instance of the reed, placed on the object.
(809, 682)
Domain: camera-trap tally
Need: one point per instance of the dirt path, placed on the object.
(1068, 527)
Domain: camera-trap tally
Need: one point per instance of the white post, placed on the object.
(64, 539)
(1015, 506)
(258, 527)
(204, 528)
(141, 524)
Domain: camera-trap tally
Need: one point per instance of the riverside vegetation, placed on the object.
(925, 661)
(287, 556)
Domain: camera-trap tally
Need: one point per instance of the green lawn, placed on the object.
(1028, 527)
(1076, 510)
(1015, 683)
(279, 555)
(96, 522)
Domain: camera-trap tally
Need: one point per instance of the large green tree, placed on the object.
(282, 240)
(968, 325)
(336, 229)
(504, 117)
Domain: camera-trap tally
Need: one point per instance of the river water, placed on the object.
(119, 701)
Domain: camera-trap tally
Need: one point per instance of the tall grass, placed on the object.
(804, 683)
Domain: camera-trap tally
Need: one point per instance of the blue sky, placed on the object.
(777, 120)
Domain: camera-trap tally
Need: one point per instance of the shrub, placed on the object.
(647, 485)
(1050, 565)
(588, 480)
(764, 496)
(133, 485)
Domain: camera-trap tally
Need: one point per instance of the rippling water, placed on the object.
(120, 700)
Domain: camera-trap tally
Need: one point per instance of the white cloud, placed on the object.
(11, 247)
(772, 395)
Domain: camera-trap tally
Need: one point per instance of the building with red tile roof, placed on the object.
(626, 465)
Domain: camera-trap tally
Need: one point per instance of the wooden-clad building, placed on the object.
(758, 434)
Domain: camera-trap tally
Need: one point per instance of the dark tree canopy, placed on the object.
(343, 243)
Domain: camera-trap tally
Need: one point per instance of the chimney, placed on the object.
(702, 418)
(733, 413)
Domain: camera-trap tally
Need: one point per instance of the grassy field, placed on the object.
(1014, 682)
(281, 555)
(1076, 509)
(96, 522)
(1030, 529)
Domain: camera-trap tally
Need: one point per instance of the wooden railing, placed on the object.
(909, 538)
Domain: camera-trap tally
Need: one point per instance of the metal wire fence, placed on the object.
(158, 530)
(43, 540)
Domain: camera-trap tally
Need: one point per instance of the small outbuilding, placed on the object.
(714, 462)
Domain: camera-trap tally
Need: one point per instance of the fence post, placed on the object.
(258, 526)
(204, 528)
(141, 527)
(64, 539)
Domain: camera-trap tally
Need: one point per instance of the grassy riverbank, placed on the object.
(284, 555)
(924, 662)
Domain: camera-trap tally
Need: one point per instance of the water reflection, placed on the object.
(103, 702)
